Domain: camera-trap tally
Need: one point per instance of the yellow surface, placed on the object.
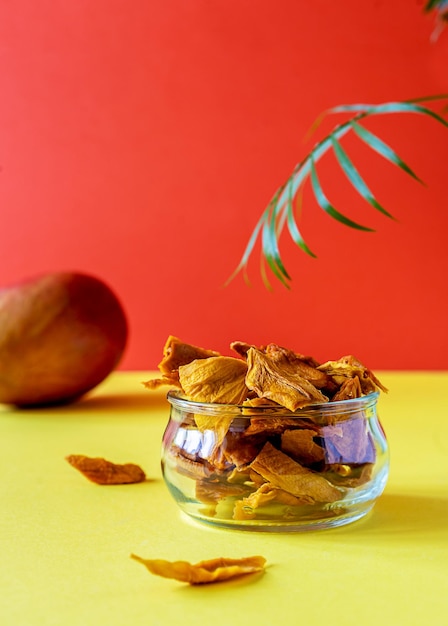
(65, 542)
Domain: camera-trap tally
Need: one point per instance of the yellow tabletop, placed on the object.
(66, 542)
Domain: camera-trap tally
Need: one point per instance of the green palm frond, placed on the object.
(280, 216)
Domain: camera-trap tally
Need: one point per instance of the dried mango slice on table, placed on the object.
(103, 472)
(210, 571)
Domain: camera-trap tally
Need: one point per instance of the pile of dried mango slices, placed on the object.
(291, 461)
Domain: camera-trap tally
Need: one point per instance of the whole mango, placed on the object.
(61, 334)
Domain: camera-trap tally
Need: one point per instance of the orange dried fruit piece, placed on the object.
(283, 385)
(175, 354)
(211, 492)
(349, 475)
(349, 367)
(350, 388)
(240, 450)
(256, 402)
(210, 571)
(246, 508)
(300, 445)
(155, 383)
(189, 467)
(103, 472)
(306, 366)
(219, 379)
(219, 425)
(242, 348)
(270, 426)
(286, 474)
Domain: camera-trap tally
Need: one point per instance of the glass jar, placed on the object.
(267, 468)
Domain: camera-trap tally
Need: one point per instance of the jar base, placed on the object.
(271, 526)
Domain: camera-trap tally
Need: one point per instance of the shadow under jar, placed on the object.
(267, 468)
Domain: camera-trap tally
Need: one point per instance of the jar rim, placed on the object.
(175, 398)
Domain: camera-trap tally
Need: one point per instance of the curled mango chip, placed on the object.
(219, 425)
(211, 571)
(288, 475)
(284, 385)
(246, 508)
(349, 367)
(300, 445)
(104, 472)
(175, 354)
(350, 388)
(218, 379)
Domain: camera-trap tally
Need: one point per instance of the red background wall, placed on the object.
(140, 142)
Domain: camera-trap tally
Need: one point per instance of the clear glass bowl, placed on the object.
(267, 468)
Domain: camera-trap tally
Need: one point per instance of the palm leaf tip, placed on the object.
(324, 203)
(383, 149)
(355, 178)
(296, 236)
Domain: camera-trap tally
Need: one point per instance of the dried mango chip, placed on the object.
(282, 472)
(155, 383)
(219, 425)
(350, 388)
(104, 472)
(240, 450)
(240, 347)
(175, 354)
(219, 379)
(212, 492)
(247, 507)
(306, 366)
(349, 367)
(189, 467)
(299, 444)
(214, 570)
(257, 402)
(349, 475)
(270, 425)
(286, 386)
